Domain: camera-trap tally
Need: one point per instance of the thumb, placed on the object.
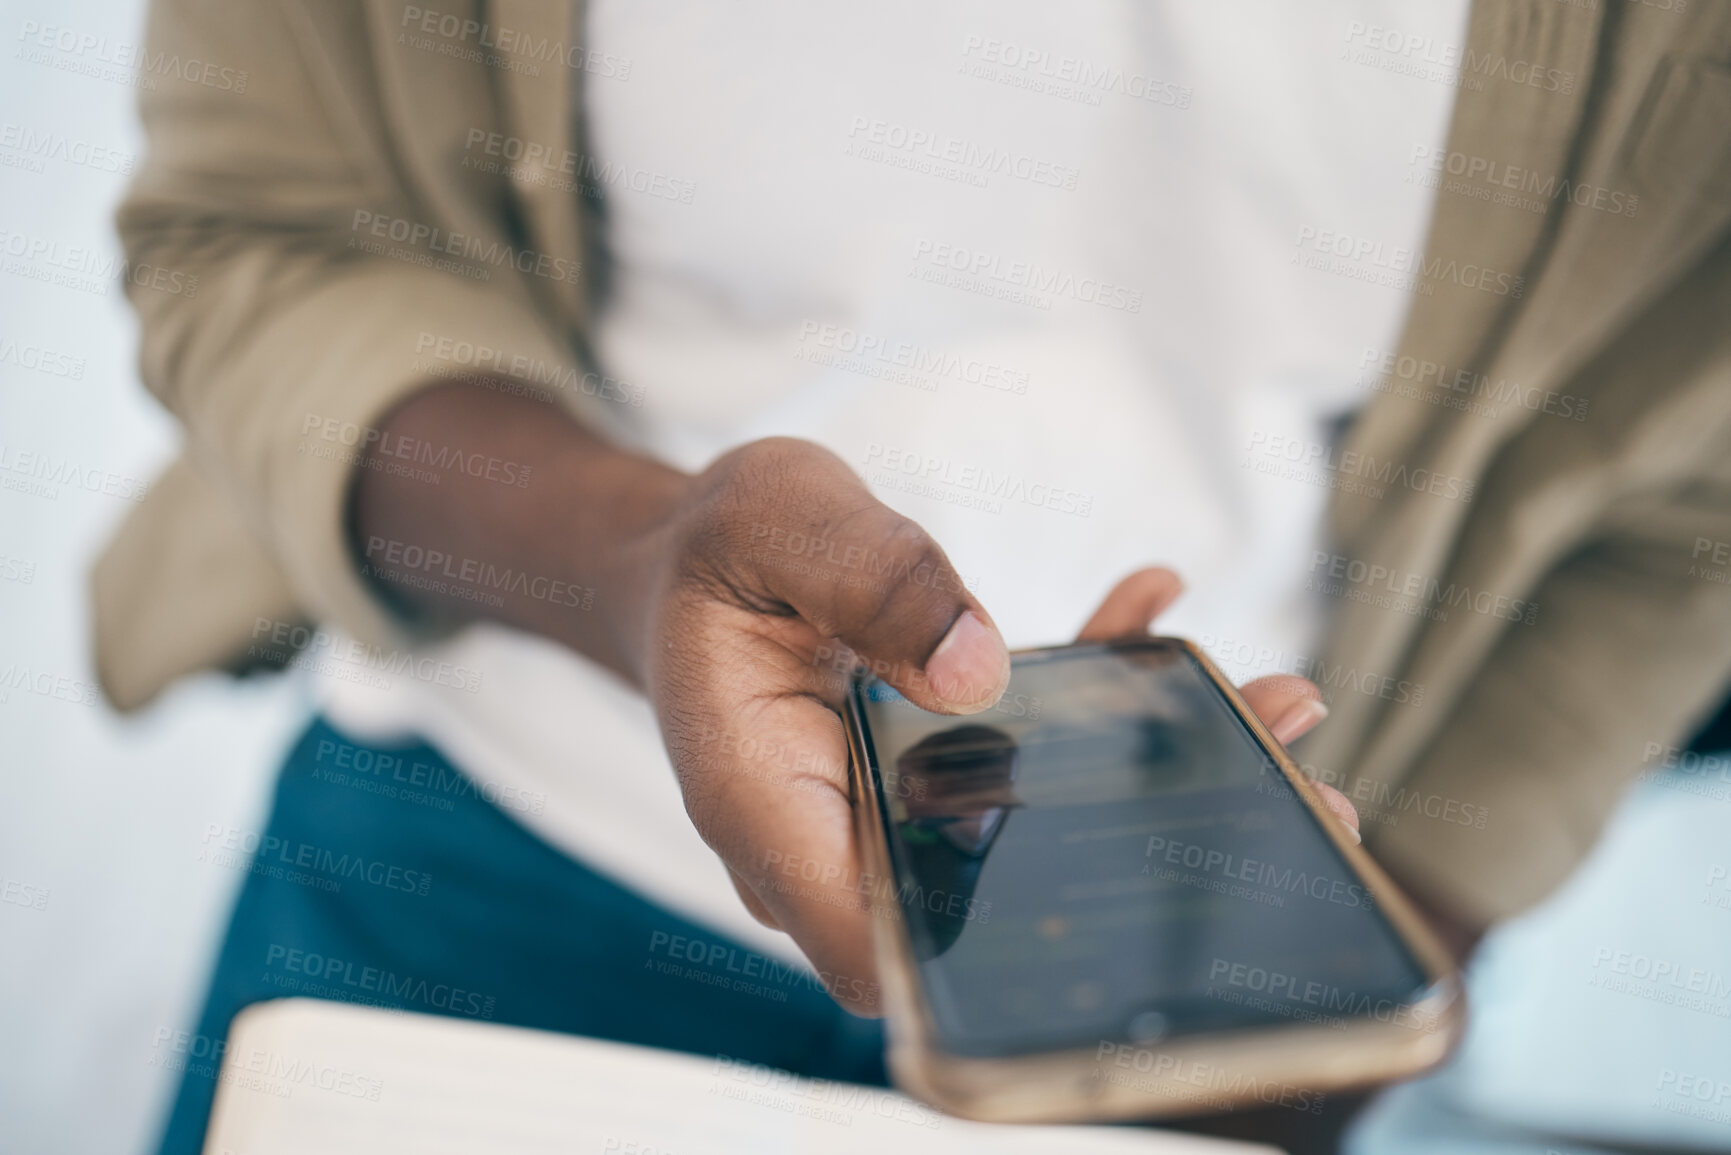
(860, 572)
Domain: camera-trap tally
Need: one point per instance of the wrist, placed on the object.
(569, 551)
(627, 566)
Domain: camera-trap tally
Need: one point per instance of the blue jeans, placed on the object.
(385, 877)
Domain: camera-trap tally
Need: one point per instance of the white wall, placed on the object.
(104, 814)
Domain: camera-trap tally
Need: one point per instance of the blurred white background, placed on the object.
(108, 918)
(106, 815)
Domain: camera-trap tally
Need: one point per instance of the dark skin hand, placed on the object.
(738, 599)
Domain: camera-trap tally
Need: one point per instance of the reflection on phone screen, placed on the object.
(1110, 855)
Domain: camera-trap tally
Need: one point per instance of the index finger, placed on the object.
(763, 768)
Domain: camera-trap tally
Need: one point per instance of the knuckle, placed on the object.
(779, 468)
(899, 561)
(764, 492)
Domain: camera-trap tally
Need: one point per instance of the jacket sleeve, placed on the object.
(1631, 653)
(274, 327)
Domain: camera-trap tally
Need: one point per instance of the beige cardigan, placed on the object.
(1486, 753)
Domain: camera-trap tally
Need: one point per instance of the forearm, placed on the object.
(476, 504)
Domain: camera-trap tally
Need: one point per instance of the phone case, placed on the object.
(1288, 1065)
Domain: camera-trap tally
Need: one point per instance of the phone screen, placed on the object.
(1110, 855)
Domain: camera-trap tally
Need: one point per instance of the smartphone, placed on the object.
(1115, 896)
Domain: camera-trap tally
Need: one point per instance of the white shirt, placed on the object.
(1055, 279)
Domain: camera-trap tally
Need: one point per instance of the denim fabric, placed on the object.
(384, 876)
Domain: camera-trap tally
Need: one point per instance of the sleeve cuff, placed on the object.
(338, 361)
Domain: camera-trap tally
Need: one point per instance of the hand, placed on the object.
(739, 600)
(779, 571)
(1288, 705)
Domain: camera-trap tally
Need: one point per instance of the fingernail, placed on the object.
(1353, 830)
(1299, 717)
(970, 667)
